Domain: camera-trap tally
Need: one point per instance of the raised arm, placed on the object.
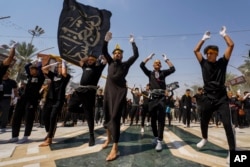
(133, 58)
(169, 63)
(229, 42)
(105, 53)
(197, 48)
(64, 69)
(148, 58)
(143, 67)
(7, 61)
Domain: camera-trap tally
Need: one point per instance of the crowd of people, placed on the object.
(45, 93)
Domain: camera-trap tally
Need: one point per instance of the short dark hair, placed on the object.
(33, 66)
(213, 47)
(118, 50)
(200, 88)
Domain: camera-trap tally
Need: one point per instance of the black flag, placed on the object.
(81, 30)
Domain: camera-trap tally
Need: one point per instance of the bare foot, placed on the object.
(105, 145)
(112, 155)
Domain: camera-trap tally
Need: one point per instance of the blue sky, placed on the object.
(172, 27)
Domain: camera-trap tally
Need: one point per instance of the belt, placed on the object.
(89, 86)
(157, 92)
(157, 97)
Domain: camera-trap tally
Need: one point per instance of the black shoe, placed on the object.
(91, 140)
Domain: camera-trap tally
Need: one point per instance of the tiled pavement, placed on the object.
(70, 148)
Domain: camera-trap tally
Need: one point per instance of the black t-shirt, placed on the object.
(57, 86)
(3, 70)
(214, 74)
(198, 98)
(157, 81)
(34, 84)
(145, 97)
(246, 103)
(8, 85)
(136, 99)
(91, 74)
(99, 100)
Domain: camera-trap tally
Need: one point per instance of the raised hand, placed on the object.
(108, 36)
(14, 44)
(63, 63)
(131, 38)
(150, 56)
(165, 57)
(223, 31)
(206, 36)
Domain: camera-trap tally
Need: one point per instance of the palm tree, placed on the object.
(245, 70)
(24, 53)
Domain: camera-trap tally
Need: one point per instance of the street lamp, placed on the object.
(6, 17)
(25, 58)
(36, 32)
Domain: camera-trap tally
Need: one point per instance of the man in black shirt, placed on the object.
(134, 113)
(55, 99)
(144, 110)
(198, 98)
(215, 94)
(27, 103)
(5, 95)
(85, 95)
(157, 104)
(99, 106)
(186, 106)
(8, 86)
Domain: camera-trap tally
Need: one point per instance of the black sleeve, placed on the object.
(144, 69)
(105, 52)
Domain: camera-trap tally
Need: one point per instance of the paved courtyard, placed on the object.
(70, 148)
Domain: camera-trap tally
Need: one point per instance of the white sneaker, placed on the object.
(158, 146)
(201, 143)
(23, 140)
(142, 130)
(154, 141)
(13, 140)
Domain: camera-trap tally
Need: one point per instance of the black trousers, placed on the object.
(4, 111)
(157, 109)
(144, 114)
(186, 117)
(51, 111)
(25, 108)
(134, 114)
(87, 100)
(235, 116)
(222, 106)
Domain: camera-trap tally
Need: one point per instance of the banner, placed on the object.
(237, 80)
(81, 30)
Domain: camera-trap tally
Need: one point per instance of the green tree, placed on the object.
(24, 53)
(245, 70)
